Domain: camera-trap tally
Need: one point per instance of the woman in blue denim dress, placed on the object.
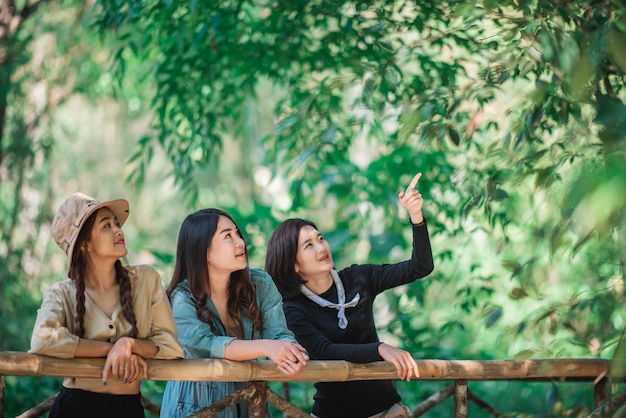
(223, 309)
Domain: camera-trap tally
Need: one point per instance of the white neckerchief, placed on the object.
(341, 297)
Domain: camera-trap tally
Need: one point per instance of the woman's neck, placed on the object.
(101, 277)
(319, 284)
(218, 283)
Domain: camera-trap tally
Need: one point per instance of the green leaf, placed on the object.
(454, 136)
(512, 266)
(500, 195)
(494, 315)
(524, 354)
(518, 293)
(285, 124)
(617, 49)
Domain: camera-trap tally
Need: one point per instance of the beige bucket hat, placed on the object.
(73, 213)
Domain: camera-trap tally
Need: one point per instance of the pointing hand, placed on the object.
(412, 200)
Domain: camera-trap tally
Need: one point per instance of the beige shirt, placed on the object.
(53, 334)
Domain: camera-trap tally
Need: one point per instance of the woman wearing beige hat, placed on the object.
(103, 309)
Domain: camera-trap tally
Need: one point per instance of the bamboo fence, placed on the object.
(598, 371)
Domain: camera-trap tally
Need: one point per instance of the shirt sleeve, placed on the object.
(386, 276)
(51, 334)
(196, 336)
(319, 347)
(271, 306)
(162, 327)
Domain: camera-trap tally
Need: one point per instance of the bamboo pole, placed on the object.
(257, 405)
(39, 410)
(150, 406)
(599, 391)
(460, 399)
(286, 407)
(24, 364)
(482, 404)
(608, 407)
(243, 394)
(432, 401)
(2, 388)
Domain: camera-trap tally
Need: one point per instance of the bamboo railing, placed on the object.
(460, 371)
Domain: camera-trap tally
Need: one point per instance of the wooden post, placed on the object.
(607, 408)
(2, 386)
(460, 399)
(39, 410)
(482, 404)
(243, 394)
(432, 401)
(257, 405)
(285, 393)
(599, 392)
(150, 406)
(287, 408)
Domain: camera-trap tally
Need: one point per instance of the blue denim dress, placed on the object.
(182, 398)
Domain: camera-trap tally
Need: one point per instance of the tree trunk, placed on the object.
(10, 22)
(7, 22)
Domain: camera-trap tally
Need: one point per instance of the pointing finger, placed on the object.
(413, 182)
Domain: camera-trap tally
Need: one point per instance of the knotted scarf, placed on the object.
(341, 305)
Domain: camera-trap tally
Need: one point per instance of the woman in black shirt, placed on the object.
(330, 311)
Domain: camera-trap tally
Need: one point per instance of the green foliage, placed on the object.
(48, 63)
(514, 112)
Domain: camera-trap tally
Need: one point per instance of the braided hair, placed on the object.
(77, 273)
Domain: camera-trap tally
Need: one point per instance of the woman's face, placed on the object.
(313, 256)
(106, 239)
(228, 249)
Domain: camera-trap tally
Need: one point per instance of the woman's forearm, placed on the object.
(92, 348)
(241, 350)
(144, 348)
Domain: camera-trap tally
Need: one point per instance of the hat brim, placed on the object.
(120, 209)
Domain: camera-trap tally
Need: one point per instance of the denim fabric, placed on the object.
(183, 398)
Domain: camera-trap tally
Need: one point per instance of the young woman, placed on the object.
(223, 309)
(103, 309)
(330, 311)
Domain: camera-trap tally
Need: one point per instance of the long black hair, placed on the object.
(194, 241)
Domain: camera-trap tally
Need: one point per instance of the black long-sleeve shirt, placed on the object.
(316, 328)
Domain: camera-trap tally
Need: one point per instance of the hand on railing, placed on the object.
(404, 362)
(122, 364)
(289, 357)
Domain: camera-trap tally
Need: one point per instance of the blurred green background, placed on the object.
(513, 111)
